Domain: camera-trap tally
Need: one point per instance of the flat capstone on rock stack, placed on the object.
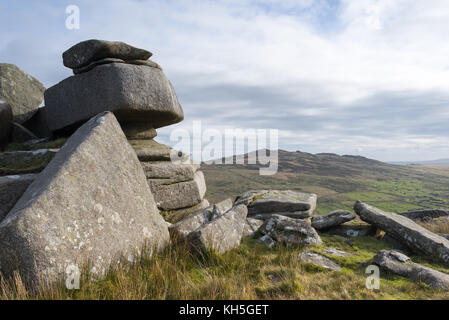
(117, 77)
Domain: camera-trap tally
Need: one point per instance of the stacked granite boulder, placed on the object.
(117, 77)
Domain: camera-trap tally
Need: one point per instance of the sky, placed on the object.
(361, 77)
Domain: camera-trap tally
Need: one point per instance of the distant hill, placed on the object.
(439, 162)
(338, 180)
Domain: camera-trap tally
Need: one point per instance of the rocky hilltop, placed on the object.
(83, 182)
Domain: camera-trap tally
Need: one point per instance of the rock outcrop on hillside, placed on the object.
(90, 204)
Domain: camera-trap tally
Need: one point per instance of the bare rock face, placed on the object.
(332, 219)
(174, 216)
(251, 227)
(178, 195)
(91, 203)
(264, 203)
(21, 134)
(290, 231)
(398, 263)
(5, 123)
(318, 260)
(21, 91)
(134, 93)
(85, 52)
(11, 189)
(201, 217)
(405, 230)
(353, 229)
(221, 234)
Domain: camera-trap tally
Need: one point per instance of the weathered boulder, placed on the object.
(21, 91)
(178, 195)
(267, 241)
(38, 125)
(426, 214)
(318, 260)
(290, 231)
(93, 64)
(336, 252)
(398, 263)
(263, 203)
(133, 93)
(353, 229)
(20, 134)
(174, 216)
(221, 234)
(138, 130)
(167, 172)
(183, 228)
(85, 52)
(20, 162)
(405, 230)
(90, 204)
(332, 219)
(150, 150)
(251, 227)
(5, 123)
(11, 189)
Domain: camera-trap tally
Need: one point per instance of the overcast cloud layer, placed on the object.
(349, 77)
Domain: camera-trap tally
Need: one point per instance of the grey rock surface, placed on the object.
(38, 125)
(134, 93)
(290, 231)
(267, 241)
(353, 229)
(21, 91)
(319, 260)
(170, 172)
(11, 189)
(251, 227)
(150, 150)
(338, 253)
(183, 228)
(398, 263)
(332, 219)
(178, 195)
(20, 162)
(138, 130)
(405, 230)
(20, 134)
(174, 216)
(85, 52)
(93, 64)
(91, 203)
(222, 234)
(5, 123)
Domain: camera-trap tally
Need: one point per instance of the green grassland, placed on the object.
(338, 181)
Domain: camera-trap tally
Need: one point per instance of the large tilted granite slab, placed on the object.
(332, 219)
(91, 203)
(134, 93)
(405, 230)
(21, 91)
(264, 203)
(178, 195)
(11, 189)
(398, 263)
(85, 52)
(221, 234)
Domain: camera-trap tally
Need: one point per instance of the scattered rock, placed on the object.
(398, 263)
(336, 252)
(133, 93)
(186, 226)
(5, 123)
(91, 203)
(332, 219)
(318, 260)
(425, 215)
(221, 234)
(251, 227)
(353, 229)
(11, 189)
(290, 231)
(179, 195)
(20, 162)
(405, 230)
(21, 91)
(92, 50)
(174, 216)
(267, 240)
